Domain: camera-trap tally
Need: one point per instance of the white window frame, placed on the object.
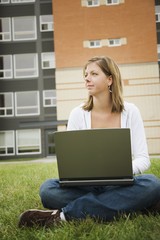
(6, 35)
(28, 147)
(4, 1)
(28, 70)
(15, 1)
(48, 60)
(95, 44)
(51, 99)
(7, 146)
(114, 42)
(112, 2)
(158, 51)
(22, 1)
(93, 3)
(7, 73)
(158, 48)
(21, 34)
(48, 24)
(157, 17)
(31, 107)
(10, 108)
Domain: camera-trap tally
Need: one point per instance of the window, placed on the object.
(25, 65)
(114, 42)
(94, 43)
(95, 3)
(157, 17)
(112, 2)
(49, 98)
(105, 43)
(24, 28)
(16, 1)
(46, 23)
(48, 60)
(28, 141)
(92, 3)
(7, 143)
(27, 103)
(158, 51)
(6, 67)
(5, 29)
(6, 105)
(4, 1)
(22, 1)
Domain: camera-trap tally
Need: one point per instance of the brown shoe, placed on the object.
(39, 218)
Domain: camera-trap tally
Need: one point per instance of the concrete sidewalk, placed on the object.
(46, 160)
(39, 160)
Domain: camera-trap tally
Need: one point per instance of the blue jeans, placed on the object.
(102, 202)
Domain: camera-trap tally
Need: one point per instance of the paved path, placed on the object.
(44, 160)
(39, 160)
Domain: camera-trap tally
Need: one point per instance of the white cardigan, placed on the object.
(130, 118)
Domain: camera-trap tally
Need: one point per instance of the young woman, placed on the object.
(105, 108)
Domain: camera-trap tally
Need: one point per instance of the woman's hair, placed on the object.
(110, 68)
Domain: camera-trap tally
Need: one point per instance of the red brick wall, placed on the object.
(134, 20)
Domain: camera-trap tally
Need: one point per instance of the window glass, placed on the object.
(94, 43)
(49, 98)
(6, 105)
(48, 60)
(24, 28)
(5, 29)
(157, 17)
(22, 1)
(27, 103)
(25, 65)
(111, 2)
(6, 66)
(7, 143)
(28, 141)
(158, 51)
(46, 23)
(4, 1)
(92, 3)
(15, 1)
(114, 42)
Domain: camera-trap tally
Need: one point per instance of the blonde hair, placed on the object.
(110, 68)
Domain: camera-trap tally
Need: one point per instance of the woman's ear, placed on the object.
(110, 80)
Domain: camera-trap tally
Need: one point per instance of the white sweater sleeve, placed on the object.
(141, 161)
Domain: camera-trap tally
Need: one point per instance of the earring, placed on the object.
(109, 88)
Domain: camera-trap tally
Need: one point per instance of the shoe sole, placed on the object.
(34, 217)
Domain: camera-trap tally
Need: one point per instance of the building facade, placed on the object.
(44, 45)
(120, 30)
(27, 79)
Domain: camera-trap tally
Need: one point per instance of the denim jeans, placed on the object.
(101, 202)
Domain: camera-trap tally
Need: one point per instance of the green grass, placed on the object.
(19, 190)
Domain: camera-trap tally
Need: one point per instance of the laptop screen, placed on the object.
(94, 154)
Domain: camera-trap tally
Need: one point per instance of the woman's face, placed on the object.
(95, 80)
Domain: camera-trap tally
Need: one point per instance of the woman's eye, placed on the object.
(94, 74)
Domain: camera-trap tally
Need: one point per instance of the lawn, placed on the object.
(20, 191)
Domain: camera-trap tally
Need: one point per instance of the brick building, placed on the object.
(44, 45)
(120, 30)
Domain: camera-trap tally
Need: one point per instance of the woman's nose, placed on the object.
(87, 78)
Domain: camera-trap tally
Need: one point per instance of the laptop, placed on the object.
(94, 157)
